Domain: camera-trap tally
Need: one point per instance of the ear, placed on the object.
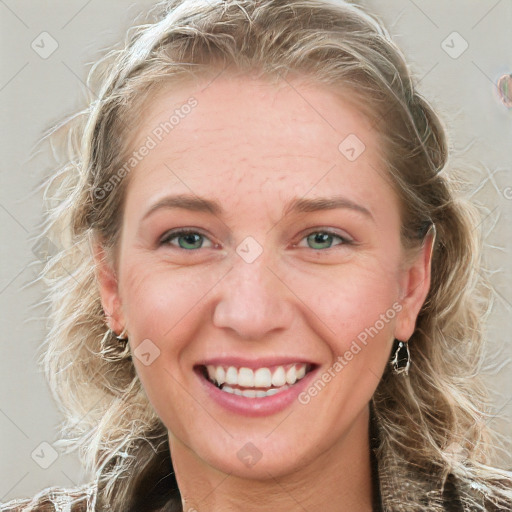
(108, 286)
(414, 287)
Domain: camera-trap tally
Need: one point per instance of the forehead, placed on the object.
(233, 136)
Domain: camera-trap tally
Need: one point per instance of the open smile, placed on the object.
(256, 383)
(258, 390)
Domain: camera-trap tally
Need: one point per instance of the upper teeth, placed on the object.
(258, 378)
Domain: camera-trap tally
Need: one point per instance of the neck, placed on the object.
(337, 480)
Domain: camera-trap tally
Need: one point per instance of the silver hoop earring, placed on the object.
(122, 338)
(402, 358)
(113, 348)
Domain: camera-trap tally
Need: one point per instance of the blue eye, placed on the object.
(324, 240)
(187, 239)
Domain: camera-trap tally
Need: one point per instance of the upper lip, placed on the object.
(260, 362)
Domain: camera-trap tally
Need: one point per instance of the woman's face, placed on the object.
(292, 268)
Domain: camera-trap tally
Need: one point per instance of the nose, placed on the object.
(253, 300)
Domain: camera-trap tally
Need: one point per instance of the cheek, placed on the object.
(353, 311)
(365, 300)
(165, 311)
(159, 301)
(349, 299)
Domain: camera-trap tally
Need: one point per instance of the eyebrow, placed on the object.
(297, 205)
(325, 203)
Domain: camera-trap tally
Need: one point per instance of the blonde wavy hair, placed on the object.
(108, 417)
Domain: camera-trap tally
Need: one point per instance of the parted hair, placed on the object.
(437, 417)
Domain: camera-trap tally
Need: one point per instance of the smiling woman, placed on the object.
(275, 303)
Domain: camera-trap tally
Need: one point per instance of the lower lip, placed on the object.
(259, 406)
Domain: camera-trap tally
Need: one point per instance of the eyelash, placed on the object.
(167, 237)
(164, 240)
(344, 240)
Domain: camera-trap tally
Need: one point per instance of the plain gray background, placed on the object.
(36, 92)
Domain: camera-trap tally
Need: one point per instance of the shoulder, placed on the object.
(55, 499)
